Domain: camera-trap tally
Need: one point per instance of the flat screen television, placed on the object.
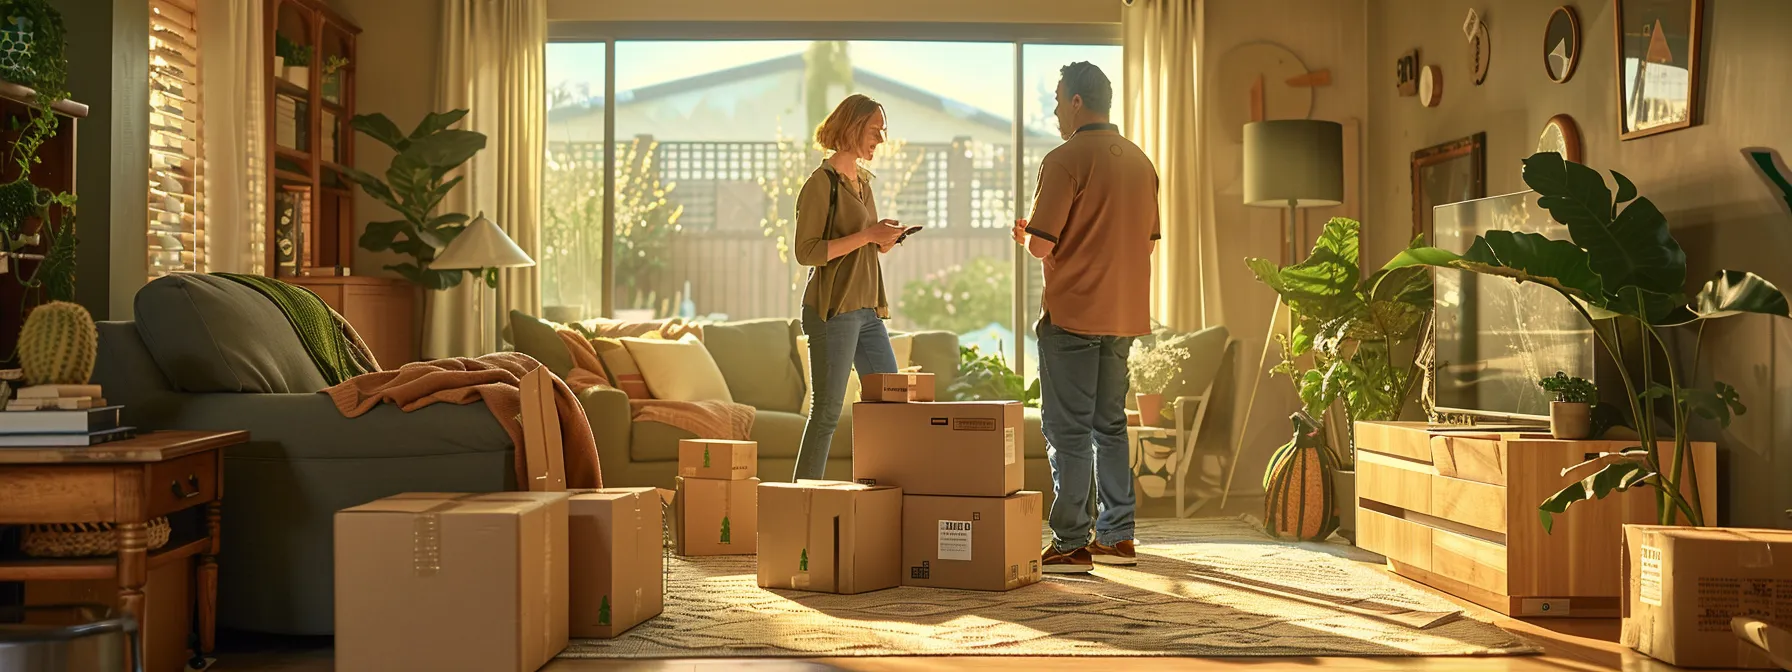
(1496, 337)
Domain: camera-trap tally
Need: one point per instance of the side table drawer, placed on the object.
(1394, 538)
(57, 494)
(182, 483)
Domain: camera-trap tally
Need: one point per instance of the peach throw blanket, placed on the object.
(707, 419)
(494, 379)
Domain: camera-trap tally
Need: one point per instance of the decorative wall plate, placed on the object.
(1562, 136)
(1480, 53)
(1431, 86)
(1561, 44)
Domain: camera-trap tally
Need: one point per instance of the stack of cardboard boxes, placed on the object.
(716, 508)
(966, 523)
(1709, 597)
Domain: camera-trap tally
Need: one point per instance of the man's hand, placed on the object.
(1020, 232)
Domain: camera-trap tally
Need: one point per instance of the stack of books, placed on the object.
(61, 415)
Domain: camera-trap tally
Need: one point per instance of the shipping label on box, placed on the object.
(716, 517)
(717, 459)
(1687, 586)
(905, 445)
(434, 581)
(618, 560)
(896, 387)
(829, 536)
(974, 543)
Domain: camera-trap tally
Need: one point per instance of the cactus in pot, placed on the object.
(58, 344)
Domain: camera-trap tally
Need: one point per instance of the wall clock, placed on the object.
(1561, 44)
(1562, 136)
(1262, 81)
(1431, 86)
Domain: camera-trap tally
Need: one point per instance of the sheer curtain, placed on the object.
(1163, 116)
(235, 144)
(493, 65)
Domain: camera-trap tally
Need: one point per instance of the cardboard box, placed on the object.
(1686, 584)
(716, 517)
(717, 459)
(906, 445)
(437, 581)
(975, 543)
(896, 387)
(544, 456)
(830, 536)
(618, 559)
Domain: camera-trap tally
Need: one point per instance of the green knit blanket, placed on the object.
(325, 338)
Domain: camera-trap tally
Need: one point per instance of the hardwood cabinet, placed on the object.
(1457, 511)
(382, 310)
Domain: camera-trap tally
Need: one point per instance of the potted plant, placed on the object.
(1353, 347)
(1623, 272)
(415, 183)
(32, 45)
(1152, 368)
(984, 377)
(292, 61)
(332, 85)
(1571, 414)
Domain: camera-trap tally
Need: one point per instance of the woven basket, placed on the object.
(82, 540)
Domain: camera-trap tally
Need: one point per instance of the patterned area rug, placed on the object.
(1206, 588)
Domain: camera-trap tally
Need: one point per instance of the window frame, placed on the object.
(1018, 35)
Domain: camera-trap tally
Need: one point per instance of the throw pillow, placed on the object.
(901, 344)
(624, 373)
(535, 337)
(680, 370)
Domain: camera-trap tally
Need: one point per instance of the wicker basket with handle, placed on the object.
(82, 540)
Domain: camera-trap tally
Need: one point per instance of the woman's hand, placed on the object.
(883, 234)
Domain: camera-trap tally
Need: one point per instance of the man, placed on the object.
(1095, 227)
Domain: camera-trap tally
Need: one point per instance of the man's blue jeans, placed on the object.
(835, 347)
(1083, 386)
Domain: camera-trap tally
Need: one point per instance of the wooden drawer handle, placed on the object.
(180, 492)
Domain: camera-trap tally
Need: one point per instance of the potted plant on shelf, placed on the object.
(1571, 413)
(1623, 272)
(1353, 347)
(34, 41)
(415, 183)
(1152, 368)
(332, 80)
(292, 61)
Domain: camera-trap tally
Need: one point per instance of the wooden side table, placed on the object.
(127, 483)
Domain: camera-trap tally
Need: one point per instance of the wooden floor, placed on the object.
(1570, 645)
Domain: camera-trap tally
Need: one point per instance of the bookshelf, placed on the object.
(311, 99)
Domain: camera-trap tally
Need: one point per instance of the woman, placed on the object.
(839, 236)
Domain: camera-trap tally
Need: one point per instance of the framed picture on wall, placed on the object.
(1658, 43)
(1452, 172)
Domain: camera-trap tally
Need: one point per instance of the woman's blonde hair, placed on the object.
(845, 128)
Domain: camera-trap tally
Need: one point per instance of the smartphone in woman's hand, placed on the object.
(909, 232)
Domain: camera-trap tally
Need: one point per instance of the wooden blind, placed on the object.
(176, 151)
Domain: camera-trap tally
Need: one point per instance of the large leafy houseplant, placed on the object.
(1360, 334)
(987, 377)
(35, 39)
(1624, 273)
(413, 186)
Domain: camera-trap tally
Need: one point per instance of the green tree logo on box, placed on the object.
(706, 457)
(726, 535)
(803, 564)
(603, 611)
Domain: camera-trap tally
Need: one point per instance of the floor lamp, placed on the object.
(1293, 164)
(480, 246)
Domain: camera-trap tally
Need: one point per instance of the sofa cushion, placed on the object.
(535, 337)
(679, 370)
(759, 360)
(212, 334)
(779, 435)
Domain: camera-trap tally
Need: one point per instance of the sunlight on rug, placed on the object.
(1206, 588)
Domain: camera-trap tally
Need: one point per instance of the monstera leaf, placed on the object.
(1631, 248)
(1615, 477)
(1737, 292)
(1525, 257)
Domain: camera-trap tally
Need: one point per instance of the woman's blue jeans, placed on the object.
(835, 347)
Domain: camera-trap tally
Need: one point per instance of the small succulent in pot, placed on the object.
(1571, 414)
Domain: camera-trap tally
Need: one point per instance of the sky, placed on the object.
(978, 74)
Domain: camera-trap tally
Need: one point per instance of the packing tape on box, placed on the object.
(426, 536)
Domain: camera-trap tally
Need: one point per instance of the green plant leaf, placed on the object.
(1410, 285)
(381, 236)
(1632, 249)
(1719, 403)
(452, 219)
(1530, 257)
(1615, 477)
(410, 180)
(444, 150)
(442, 279)
(1626, 188)
(378, 127)
(1736, 292)
(436, 121)
(407, 269)
(1267, 272)
(373, 186)
(435, 196)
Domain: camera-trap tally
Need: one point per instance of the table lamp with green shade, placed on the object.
(1293, 164)
(482, 245)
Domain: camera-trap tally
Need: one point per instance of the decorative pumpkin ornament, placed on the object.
(1298, 485)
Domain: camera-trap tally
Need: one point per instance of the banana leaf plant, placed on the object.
(1624, 273)
(413, 187)
(1353, 328)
